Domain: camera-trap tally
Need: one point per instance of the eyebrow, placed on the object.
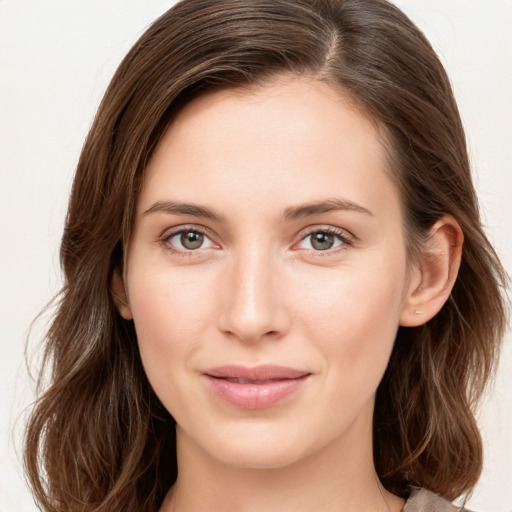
(291, 213)
(178, 208)
(329, 205)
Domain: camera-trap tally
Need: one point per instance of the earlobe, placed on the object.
(120, 296)
(434, 275)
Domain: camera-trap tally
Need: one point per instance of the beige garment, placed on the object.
(422, 500)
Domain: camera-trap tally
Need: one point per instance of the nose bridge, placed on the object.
(253, 307)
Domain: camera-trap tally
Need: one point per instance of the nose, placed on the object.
(253, 307)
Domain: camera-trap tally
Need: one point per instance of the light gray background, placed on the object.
(56, 57)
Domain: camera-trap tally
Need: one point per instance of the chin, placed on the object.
(257, 455)
(250, 444)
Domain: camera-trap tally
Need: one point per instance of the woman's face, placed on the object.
(267, 273)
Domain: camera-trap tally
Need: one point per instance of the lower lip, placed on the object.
(254, 395)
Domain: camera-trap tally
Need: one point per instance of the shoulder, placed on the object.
(422, 500)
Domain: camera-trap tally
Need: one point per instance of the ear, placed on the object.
(120, 296)
(433, 277)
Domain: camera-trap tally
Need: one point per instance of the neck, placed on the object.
(340, 476)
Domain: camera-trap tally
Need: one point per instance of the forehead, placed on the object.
(294, 106)
(288, 141)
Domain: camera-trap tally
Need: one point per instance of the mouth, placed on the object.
(258, 387)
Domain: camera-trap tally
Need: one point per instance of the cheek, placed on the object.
(353, 316)
(168, 304)
(170, 313)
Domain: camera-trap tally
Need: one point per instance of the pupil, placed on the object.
(191, 239)
(322, 241)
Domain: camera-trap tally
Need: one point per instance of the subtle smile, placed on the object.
(254, 388)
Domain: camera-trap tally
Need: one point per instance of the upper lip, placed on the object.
(256, 373)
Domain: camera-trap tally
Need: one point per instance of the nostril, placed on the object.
(250, 307)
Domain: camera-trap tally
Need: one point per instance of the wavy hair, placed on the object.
(98, 438)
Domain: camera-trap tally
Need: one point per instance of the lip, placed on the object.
(255, 387)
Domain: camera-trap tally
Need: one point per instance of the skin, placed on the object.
(257, 291)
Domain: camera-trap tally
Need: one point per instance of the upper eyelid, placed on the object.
(170, 232)
(303, 233)
(341, 232)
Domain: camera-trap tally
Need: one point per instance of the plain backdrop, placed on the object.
(56, 57)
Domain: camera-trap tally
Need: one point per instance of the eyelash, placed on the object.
(346, 239)
(165, 240)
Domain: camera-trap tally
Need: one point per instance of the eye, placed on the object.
(187, 240)
(324, 240)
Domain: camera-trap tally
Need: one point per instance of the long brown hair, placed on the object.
(98, 437)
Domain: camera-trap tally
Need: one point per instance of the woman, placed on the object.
(278, 293)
